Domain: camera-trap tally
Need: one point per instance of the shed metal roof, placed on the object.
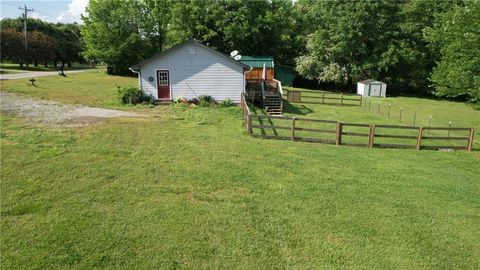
(369, 81)
(258, 61)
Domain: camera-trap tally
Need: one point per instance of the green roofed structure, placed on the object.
(258, 61)
(282, 73)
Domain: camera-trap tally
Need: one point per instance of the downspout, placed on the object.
(139, 77)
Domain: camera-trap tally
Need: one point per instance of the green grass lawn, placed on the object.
(92, 88)
(188, 188)
(460, 114)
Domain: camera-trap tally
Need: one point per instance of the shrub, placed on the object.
(205, 101)
(180, 100)
(132, 95)
(227, 103)
(193, 101)
(206, 98)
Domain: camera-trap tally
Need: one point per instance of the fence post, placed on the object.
(419, 138)
(338, 137)
(388, 114)
(371, 136)
(323, 97)
(249, 125)
(429, 124)
(370, 104)
(341, 99)
(361, 97)
(400, 119)
(293, 129)
(449, 127)
(378, 109)
(470, 140)
(414, 118)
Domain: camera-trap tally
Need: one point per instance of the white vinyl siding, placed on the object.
(195, 72)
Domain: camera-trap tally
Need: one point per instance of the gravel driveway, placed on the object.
(56, 113)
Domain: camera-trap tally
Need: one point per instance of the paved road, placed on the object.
(37, 74)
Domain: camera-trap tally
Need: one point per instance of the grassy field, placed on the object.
(92, 88)
(442, 112)
(188, 188)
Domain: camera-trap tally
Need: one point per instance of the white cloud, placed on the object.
(75, 9)
(72, 14)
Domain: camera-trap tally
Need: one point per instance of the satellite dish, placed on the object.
(237, 57)
(233, 53)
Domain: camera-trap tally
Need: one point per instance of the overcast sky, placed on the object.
(66, 11)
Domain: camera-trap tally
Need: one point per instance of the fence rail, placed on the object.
(298, 96)
(371, 133)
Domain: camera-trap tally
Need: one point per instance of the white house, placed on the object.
(189, 70)
(372, 88)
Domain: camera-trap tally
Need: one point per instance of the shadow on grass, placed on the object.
(264, 121)
(295, 109)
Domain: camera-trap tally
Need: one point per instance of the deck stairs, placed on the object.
(273, 103)
(272, 97)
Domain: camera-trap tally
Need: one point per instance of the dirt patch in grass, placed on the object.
(56, 113)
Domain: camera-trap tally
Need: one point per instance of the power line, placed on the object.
(25, 17)
(46, 14)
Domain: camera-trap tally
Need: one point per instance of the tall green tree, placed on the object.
(418, 59)
(351, 41)
(456, 36)
(122, 33)
(252, 27)
(66, 38)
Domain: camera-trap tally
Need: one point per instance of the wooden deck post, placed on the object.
(470, 140)
(371, 136)
(338, 137)
(419, 138)
(293, 128)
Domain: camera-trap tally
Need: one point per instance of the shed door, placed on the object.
(375, 89)
(163, 84)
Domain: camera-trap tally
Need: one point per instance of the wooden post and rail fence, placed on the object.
(340, 132)
(298, 96)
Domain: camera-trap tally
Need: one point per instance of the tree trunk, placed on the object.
(69, 64)
(45, 63)
(35, 62)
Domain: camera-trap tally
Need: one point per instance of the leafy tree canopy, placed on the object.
(456, 36)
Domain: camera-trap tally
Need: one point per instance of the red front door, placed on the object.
(163, 84)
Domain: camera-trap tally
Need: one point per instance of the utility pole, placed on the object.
(25, 17)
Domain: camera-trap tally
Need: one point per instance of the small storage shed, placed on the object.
(189, 70)
(371, 88)
(284, 74)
